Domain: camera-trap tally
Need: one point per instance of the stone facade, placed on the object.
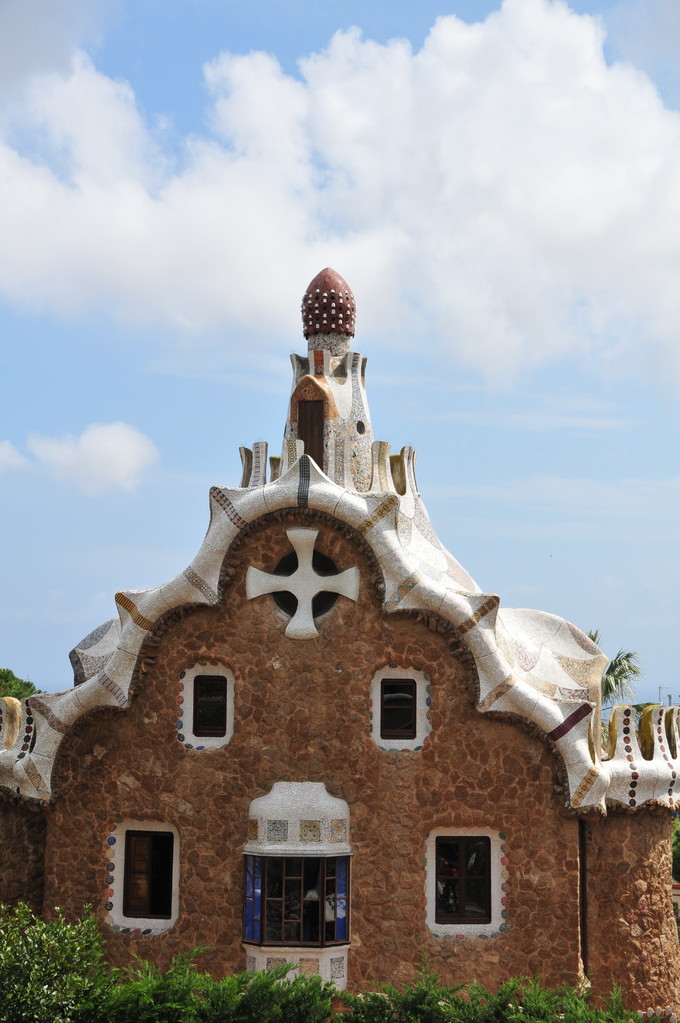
(505, 752)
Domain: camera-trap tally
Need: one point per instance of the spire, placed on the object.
(328, 312)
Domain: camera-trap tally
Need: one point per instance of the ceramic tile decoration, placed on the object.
(504, 720)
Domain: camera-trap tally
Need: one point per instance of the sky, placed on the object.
(499, 183)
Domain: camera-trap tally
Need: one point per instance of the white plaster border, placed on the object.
(114, 847)
(330, 963)
(499, 878)
(185, 706)
(423, 702)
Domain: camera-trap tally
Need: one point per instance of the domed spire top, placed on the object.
(328, 306)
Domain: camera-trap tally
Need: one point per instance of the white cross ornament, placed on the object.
(304, 583)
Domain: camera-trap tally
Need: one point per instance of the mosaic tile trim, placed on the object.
(580, 670)
(337, 967)
(527, 656)
(89, 666)
(338, 831)
(482, 611)
(585, 642)
(258, 476)
(404, 587)
(308, 967)
(113, 687)
(28, 735)
(382, 453)
(500, 690)
(277, 831)
(137, 617)
(50, 717)
(585, 786)
(318, 363)
(303, 486)
(578, 715)
(201, 585)
(227, 507)
(310, 831)
(404, 528)
(273, 961)
(93, 637)
(661, 741)
(383, 509)
(36, 779)
(423, 524)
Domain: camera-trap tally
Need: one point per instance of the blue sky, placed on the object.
(499, 184)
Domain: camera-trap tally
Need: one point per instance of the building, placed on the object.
(322, 743)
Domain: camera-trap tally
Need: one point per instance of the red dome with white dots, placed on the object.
(328, 305)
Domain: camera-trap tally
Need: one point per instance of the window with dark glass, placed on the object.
(463, 880)
(210, 705)
(296, 900)
(147, 887)
(398, 708)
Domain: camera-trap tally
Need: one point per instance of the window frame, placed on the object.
(155, 840)
(116, 906)
(186, 706)
(399, 733)
(462, 878)
(261, 867)
(498, 884)
(423, 700)
(205, 732)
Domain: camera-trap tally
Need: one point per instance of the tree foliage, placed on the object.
(10, 685)
(620, 677)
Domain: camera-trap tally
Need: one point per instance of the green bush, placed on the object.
(51, 971)
(183, 995)
(515, 1001)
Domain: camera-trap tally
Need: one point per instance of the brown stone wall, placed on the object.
(302, 714)
(22, 849)
(632, 935)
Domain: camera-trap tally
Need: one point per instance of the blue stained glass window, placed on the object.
(304, 901)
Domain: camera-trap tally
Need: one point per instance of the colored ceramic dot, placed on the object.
(108, 906)
(111, 840)
(631, 802)
(147, 931)
(180, 737)
(200, 747)
(110, 866)
(110, 879)
(628, 749)
(179, 724)
(626, 731)
(626, 721)
(502, 836)
(428, 702)
(635, 774)
(503, 927)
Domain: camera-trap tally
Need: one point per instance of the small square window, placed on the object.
(210, 705)
(398, 708)
(147, 889)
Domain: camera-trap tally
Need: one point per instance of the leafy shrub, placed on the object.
(183, 995)
(51, 971)
(516, 1001)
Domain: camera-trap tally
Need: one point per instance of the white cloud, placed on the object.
(502, 193)
(10, 457)
(39, 35)
(105, 457)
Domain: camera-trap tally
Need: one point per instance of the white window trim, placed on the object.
(423, 726)
(499, 874)
(115, 854)
(185, 718)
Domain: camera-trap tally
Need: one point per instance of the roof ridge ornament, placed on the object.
(328, 312)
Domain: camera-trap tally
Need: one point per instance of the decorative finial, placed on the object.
(328, 306)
